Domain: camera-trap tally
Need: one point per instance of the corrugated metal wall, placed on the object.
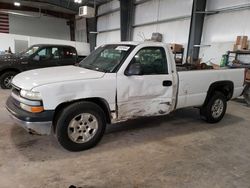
(172, 19)
(80, 30)
(4, 23)
(220, 30)
(173, 15)
(108, 24)
(43, 26)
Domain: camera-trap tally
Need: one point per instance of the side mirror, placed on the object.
(134, 69)
(36, 58)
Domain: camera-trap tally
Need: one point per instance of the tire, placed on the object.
(246, 94)
(80, 126)
(215, 109)
(5, 79)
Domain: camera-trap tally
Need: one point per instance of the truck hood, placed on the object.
(30, 79)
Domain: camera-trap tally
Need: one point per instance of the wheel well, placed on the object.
(9, 70)
(102, 103)
(225, 87)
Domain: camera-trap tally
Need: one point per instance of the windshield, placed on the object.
(106, 58)
(31, 50)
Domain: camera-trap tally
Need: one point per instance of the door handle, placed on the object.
(24, 62)
(167, 83)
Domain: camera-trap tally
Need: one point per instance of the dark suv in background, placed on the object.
(37, 56)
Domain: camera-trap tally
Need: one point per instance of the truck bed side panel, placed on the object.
(193, 85)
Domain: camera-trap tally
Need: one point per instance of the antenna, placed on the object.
(144, 38)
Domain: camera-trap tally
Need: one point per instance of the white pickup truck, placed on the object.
(116, 82)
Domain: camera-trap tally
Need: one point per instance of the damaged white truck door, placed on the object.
(145, 85)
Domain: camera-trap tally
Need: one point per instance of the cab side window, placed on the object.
(43, 53)
(55, 53)
(152, 60)
(49, 53)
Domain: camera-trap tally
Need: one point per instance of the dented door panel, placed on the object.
(142, 87)
(143, 108)
(139, 96)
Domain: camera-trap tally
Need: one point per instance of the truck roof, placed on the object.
(44, 45)
(135, 43)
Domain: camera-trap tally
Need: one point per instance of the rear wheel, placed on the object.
(215, 109)
(80, 126)
(6, 78)
(246, 94)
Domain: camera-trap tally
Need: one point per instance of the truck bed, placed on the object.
(194, 84)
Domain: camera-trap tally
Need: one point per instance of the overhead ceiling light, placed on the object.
(93, 32)
(78, 1)
(17, 4)
(202, 45)
(18, 13)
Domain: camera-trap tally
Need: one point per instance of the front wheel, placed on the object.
(215, 109)
(80, 126)
(6, 78)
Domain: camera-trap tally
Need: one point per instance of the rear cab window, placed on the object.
(69, 53)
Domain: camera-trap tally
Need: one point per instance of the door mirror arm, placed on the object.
(36, 58)
(134, 69)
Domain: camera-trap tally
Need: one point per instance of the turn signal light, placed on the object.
(37, 109)
(33, 109)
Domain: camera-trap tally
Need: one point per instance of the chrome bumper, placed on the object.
(39, 128)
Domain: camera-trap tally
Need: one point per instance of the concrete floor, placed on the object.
(178, 150)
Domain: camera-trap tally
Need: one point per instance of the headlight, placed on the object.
(31, 95)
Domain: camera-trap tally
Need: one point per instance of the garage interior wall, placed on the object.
(43, 26)
(80, 30)
(174, 17)
(108, 23)
(8, 40)
(220, 30)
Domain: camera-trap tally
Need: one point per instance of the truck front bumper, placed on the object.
(35, 123)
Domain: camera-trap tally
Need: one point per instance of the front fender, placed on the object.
(55, 94)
